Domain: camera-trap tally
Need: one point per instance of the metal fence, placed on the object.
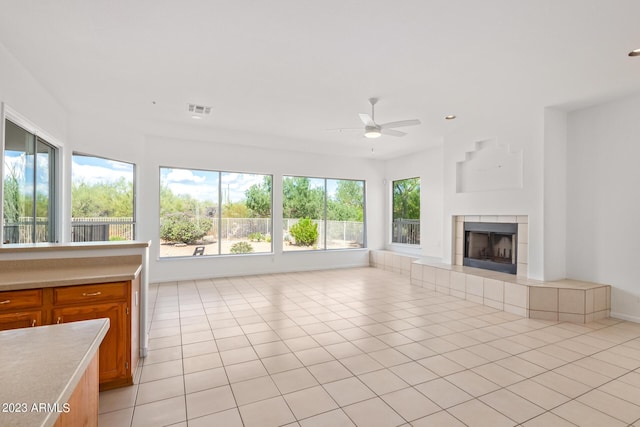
(21, 231)
(406, 231)
(339, 233)
(82, 230)
(102, 229)
(240, 228)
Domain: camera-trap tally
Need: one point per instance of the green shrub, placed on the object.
(241, 248)
(305, 232)
(256, 237)
(116, 238)
(180, 228)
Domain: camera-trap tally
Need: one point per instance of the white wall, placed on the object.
(603, 206)
(516, 129)
(31, 106)
(201, 149)
(555, 194)
(25, 95)
(159, 151)
(427, 165)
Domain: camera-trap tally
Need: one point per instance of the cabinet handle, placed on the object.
(59, 319)
(33, 323)
(94, 294)
(7, 301)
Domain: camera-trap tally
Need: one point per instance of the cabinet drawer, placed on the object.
(12, 300)
(90, 293)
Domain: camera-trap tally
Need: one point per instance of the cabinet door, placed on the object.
(114, 348)
(25, 319)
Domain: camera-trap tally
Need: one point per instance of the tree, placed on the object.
(300, 200)
(406, 199)
(13, 199)
(348, 202)
(259, 199)
(102, 199)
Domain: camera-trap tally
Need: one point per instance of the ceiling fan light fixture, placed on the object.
(635, 52)
(372, 132)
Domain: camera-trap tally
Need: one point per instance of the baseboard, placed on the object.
(292, 269)
(622, 316)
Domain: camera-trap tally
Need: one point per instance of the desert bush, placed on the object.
(305, 232)
(256, 237)
(181, 228)
(241, 248)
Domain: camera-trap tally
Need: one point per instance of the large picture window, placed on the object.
(321, 213)
(214, 213)
(102, 199)
(405, 227)
(28, 187)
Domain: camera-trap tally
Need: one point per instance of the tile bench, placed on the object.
(561, 300)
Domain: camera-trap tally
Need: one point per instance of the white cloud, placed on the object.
(183, 175)
(97, 174)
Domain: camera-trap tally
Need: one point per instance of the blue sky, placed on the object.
(203, 185)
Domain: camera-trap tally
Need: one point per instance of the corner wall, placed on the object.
(603, 206)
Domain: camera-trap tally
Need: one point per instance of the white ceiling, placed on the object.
(291, 69)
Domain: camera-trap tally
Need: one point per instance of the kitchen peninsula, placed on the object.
(48, 284)
(50, 374)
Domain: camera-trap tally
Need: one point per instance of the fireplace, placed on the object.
(491, 246)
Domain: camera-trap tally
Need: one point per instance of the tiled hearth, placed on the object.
(561, 300)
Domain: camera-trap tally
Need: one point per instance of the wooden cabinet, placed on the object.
(114, 348)
(21, 319)
(20, 309)
(117, 301)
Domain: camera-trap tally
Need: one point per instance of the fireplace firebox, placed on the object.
(491, 246)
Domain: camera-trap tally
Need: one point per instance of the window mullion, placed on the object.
(219, 213)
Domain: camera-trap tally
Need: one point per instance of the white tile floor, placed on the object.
(363, 347)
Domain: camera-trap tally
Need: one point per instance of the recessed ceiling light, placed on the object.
(450, 117)
(635, 52)
(196, 117)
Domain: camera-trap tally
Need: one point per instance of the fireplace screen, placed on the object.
(491, 246)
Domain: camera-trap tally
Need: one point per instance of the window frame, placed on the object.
(55, 174)
(134, 223)
(324, 219)
(219, 213)
(392, 209)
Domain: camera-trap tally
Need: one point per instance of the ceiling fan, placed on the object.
(375, 130)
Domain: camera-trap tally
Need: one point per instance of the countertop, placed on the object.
(43, 273)
(67, 247)
(43, 365)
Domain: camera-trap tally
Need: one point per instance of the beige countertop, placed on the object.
(72, 246)
(43, 273)
(43, 365)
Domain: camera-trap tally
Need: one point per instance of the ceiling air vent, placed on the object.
(199, 109)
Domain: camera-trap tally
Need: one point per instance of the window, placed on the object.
(406, 211)
(28, 187)
(320, 213)
(102, 199)
(212, 213)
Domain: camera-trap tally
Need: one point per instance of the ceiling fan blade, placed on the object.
(392, 132)
(366, 119)
(401, 123)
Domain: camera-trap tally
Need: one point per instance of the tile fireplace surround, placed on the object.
(561, 300)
